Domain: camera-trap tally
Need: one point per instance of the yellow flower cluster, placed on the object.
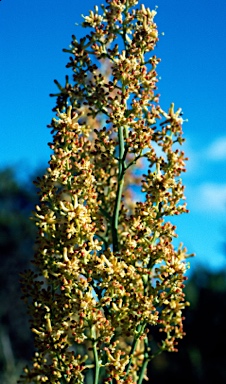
(107, 270)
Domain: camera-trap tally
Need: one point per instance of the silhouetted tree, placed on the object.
(202, 354)
(16, 249)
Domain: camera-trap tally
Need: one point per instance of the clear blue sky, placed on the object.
(32, 35)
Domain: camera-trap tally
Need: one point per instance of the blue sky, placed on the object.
(193, 76)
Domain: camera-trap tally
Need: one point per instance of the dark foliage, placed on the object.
(17, 236)
(202, 353)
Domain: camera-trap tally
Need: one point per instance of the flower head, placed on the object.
(107, 268)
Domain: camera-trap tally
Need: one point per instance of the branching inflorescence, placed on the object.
(108, 273)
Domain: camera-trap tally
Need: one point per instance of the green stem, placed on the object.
(134, 346)
(115, 217)
(95, 355)
(145, 362)
(122, 157)
(97, 365)
(121, 150)
(143, 370)
(135, 160)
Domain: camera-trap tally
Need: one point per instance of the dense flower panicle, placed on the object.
(108, 272)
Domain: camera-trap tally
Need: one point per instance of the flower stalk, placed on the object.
(107, 269)
(121, 173)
